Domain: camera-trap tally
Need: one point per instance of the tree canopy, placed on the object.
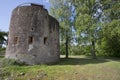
(91, 25)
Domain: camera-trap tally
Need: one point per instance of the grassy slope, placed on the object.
(75, 68)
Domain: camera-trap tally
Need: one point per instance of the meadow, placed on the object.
(74, 68)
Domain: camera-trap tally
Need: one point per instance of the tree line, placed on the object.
(89, 27)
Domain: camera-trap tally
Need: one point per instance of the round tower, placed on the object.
(33, 35)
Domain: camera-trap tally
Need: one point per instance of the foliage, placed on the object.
(2, 38)
(111, 8)
(88, 14)
(5, 62)
(111, 41)
(79, 50)
(75, 50)
(62, 49)
(96, 22)
(62, 11)
(2, 49)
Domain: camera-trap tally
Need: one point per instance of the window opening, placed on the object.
(32, 29)
(45, 39)
(30, 40)
(15, 40)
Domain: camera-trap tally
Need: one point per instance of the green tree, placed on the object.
(62, 11)
(88, 14)
(111, 40)
(2, 38)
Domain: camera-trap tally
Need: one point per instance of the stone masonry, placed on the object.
(33, 36)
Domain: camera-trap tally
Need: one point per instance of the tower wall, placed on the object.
(33, 36)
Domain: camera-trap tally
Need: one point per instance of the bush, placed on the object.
(110, 42)
(2, 51)
(111, 46)
(62, 49)
(8, 62)
(76, 49)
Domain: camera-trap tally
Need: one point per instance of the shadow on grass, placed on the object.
(81, 61)
(113, 58)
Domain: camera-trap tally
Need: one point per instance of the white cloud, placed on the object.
(46, 1)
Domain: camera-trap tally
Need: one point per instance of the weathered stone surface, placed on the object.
(33, 36)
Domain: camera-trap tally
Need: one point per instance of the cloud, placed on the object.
(46, 1)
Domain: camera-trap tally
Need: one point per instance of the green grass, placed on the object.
(74, 68)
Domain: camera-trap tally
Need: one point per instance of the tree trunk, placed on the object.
(66, 44)
(93, 50)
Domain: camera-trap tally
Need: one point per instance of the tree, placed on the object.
(62, 11)
(88, 14)
(111, 40)
(111, 8)
(2, 38)
(91, 20)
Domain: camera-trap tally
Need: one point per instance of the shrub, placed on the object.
(7, 62)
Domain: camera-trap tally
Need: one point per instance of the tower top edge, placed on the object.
(31, 4)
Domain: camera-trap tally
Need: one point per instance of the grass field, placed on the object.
(74, 68)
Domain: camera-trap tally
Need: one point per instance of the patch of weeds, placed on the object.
(4, 74)
(19, 63)
(6, 62)
(9, 62)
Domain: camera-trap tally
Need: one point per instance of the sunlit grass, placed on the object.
(74, 68)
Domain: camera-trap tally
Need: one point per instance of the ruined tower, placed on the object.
(33, 35)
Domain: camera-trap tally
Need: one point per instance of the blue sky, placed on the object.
(6, 7)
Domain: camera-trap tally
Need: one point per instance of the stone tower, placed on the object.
(33, 35)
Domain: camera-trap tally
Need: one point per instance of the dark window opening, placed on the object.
(30, 40)
(32, 29)
(45, 40)
(34, 55)
(15, 40)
